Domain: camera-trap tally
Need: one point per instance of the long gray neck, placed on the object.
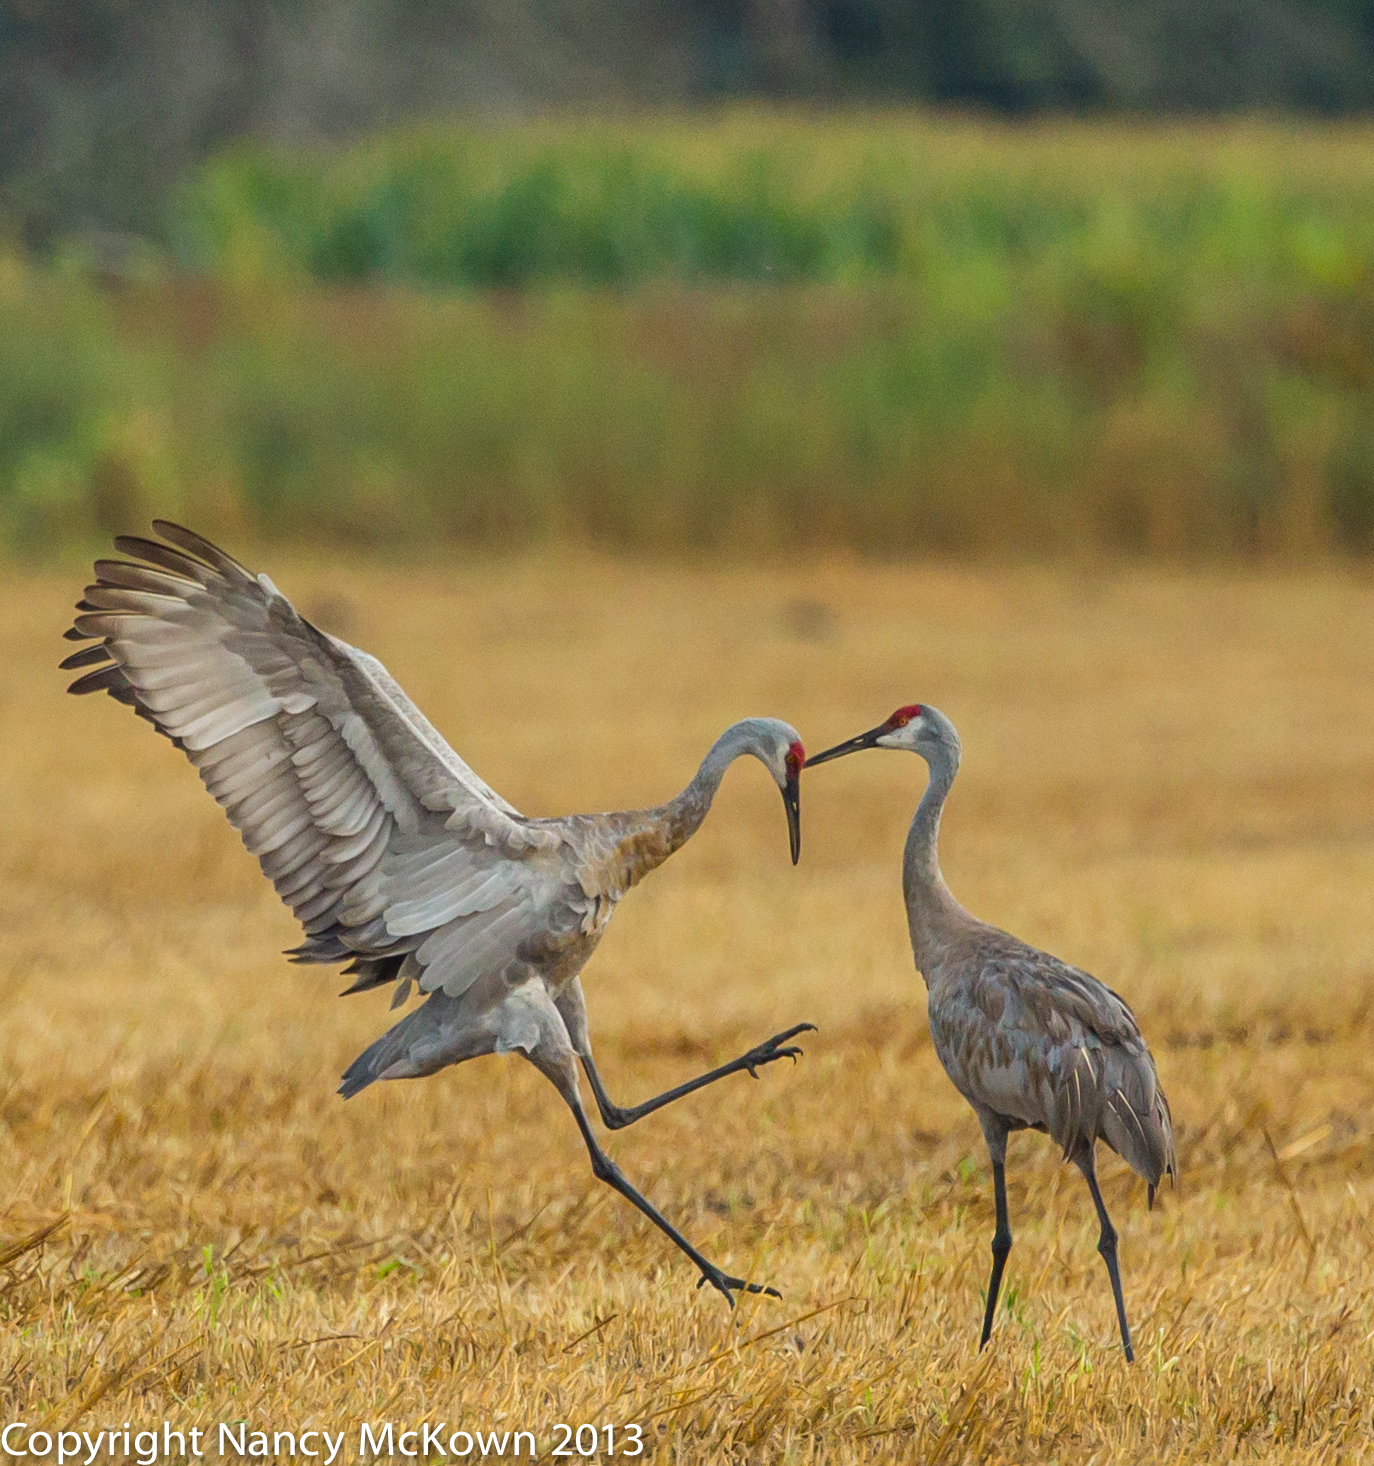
(932, 912)
(685, 813)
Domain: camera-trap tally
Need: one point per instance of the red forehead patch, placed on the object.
(903, 716)
(796, 754)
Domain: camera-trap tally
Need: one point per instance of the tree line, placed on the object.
(105, 104)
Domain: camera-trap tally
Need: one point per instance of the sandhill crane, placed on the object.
(1030, 1042)
(391, 852)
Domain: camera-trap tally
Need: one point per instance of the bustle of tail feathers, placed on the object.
(1137, 1124)
(1114, 1094)
(1170, 1157)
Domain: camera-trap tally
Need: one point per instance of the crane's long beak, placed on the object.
(850, 745)
(791, 802)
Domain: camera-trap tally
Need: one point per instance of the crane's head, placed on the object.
(923, 730)
(778, 747)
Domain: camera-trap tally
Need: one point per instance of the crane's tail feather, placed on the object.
(1114, 1094)
(427, 1039)
(381, 1057)
(1136, 1122)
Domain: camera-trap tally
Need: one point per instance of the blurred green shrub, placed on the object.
(902, 337)
(493, 211)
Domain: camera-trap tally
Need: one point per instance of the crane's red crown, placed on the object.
(796, 756)
(903, 716)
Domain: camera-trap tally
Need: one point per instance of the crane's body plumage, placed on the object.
(392, 853)
(1047, 1047)
(1029, 1041)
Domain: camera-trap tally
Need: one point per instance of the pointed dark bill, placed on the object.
(791, 801)
(850, 745)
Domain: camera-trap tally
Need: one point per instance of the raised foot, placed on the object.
(727, 1286)
(776, 1047)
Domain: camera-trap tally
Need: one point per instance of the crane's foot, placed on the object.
(776, 1047)
(727, 1286)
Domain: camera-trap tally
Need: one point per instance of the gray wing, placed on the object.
(384, 843)
(1045, 1043)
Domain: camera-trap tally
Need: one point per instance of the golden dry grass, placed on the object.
(1168, 779)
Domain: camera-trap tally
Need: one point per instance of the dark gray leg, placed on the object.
(552, 1054)
(605, 1169)
(1106, 1245)
(615, 1117)
(995, 1133)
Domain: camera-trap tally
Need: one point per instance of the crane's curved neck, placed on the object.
(643, 839)
(684, 814)
(932, 912)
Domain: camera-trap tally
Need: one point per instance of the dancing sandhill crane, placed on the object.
(393, 855)
(1030, 1042)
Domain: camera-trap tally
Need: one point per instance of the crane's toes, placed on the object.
(784, 1053)
(762, 1288)
(728, 1286)
(776, 1047)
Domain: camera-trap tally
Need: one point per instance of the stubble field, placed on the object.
(1168, 779)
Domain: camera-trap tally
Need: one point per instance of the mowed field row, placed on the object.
(1168, 780)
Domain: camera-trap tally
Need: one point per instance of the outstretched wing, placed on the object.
(385, 844)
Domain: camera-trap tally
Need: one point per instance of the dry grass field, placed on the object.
(1168, 779)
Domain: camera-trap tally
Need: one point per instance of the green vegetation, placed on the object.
(593, 205)
(896, 335)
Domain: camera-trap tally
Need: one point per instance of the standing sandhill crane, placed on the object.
(1030, 1042)
(390, 851)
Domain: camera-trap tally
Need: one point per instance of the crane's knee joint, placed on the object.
(605, 1170)
(1001, 1245)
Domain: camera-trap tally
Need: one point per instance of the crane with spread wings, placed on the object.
(394, 856)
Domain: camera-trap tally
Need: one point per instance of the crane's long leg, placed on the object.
(553, 1056)
(995, 1133)
(571, 1006)
(605, 1169)
(1106, 1245)
(616, 1117)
